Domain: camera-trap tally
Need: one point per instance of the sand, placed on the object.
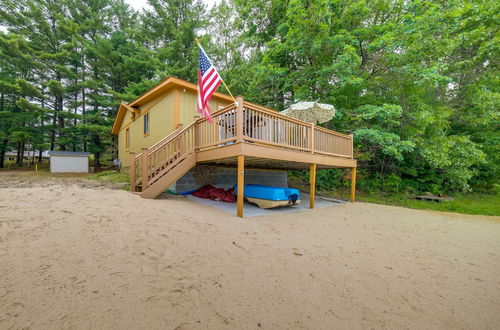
(75, 254)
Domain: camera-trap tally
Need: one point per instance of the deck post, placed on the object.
(132, 172)
(312, 183)
(196, 132)
(241, 185)
(144, 168)
(239, 118)
(352, 145)
(312, 138)
(353, 184)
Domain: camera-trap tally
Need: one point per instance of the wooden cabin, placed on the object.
(162, 141)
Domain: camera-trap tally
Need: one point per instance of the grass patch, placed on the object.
(110, 176)
(474, 203)
(481, 203)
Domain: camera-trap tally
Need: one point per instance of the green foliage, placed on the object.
(476, 203)
(416, 82)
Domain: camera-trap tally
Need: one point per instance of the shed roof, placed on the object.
(69, 153)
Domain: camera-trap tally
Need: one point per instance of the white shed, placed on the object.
(68, 161)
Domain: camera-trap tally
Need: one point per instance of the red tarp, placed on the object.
(216, 194)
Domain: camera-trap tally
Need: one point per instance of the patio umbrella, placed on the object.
(311, 112)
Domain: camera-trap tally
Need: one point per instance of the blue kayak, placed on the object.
(269, 196)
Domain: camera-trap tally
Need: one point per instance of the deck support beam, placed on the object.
(312, 184)
(353, 184)
(241, 185)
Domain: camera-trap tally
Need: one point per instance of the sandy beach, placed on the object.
(75, 254)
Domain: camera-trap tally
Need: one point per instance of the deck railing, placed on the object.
(263, 126)
(220, 131)
(236, 123)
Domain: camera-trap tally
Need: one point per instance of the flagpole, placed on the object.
(227, 88)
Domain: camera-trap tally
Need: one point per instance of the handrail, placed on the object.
(329, 131)
(231, 106)
(276, 114)
(164, 140)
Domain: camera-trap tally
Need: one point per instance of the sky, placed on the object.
(139, 4)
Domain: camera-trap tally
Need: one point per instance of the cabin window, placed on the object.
(146, 124)
(127, 138)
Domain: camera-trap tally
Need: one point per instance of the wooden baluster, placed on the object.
(299, 135)
(299, 131)
(290, 136)
(351, 146)
(258, 125)
(239, 119)
(196, 133)
(312, 138)
(202, 133)
(301, 138)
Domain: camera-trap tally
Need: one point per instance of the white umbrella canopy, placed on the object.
(311, 112)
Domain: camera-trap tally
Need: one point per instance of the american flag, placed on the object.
(208, 81)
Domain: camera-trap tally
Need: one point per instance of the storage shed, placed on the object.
(68, 161)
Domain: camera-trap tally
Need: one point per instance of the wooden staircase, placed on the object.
(157, 167)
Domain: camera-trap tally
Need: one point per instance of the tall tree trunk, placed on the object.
(97, 155)
(62, 146)
(3, 148)
(53, 130)
(76, 104)
(83, 115)
(20, 154)
(41, 132)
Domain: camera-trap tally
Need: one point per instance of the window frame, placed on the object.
(127, 138)
(146, 115)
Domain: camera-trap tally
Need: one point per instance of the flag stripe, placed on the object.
(209, 87)
(207, 76)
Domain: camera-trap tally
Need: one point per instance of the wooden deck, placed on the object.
(242, 135)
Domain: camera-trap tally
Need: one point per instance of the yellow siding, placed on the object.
(161, 117)
(160, 121)
(188, 106)
(127, 119)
